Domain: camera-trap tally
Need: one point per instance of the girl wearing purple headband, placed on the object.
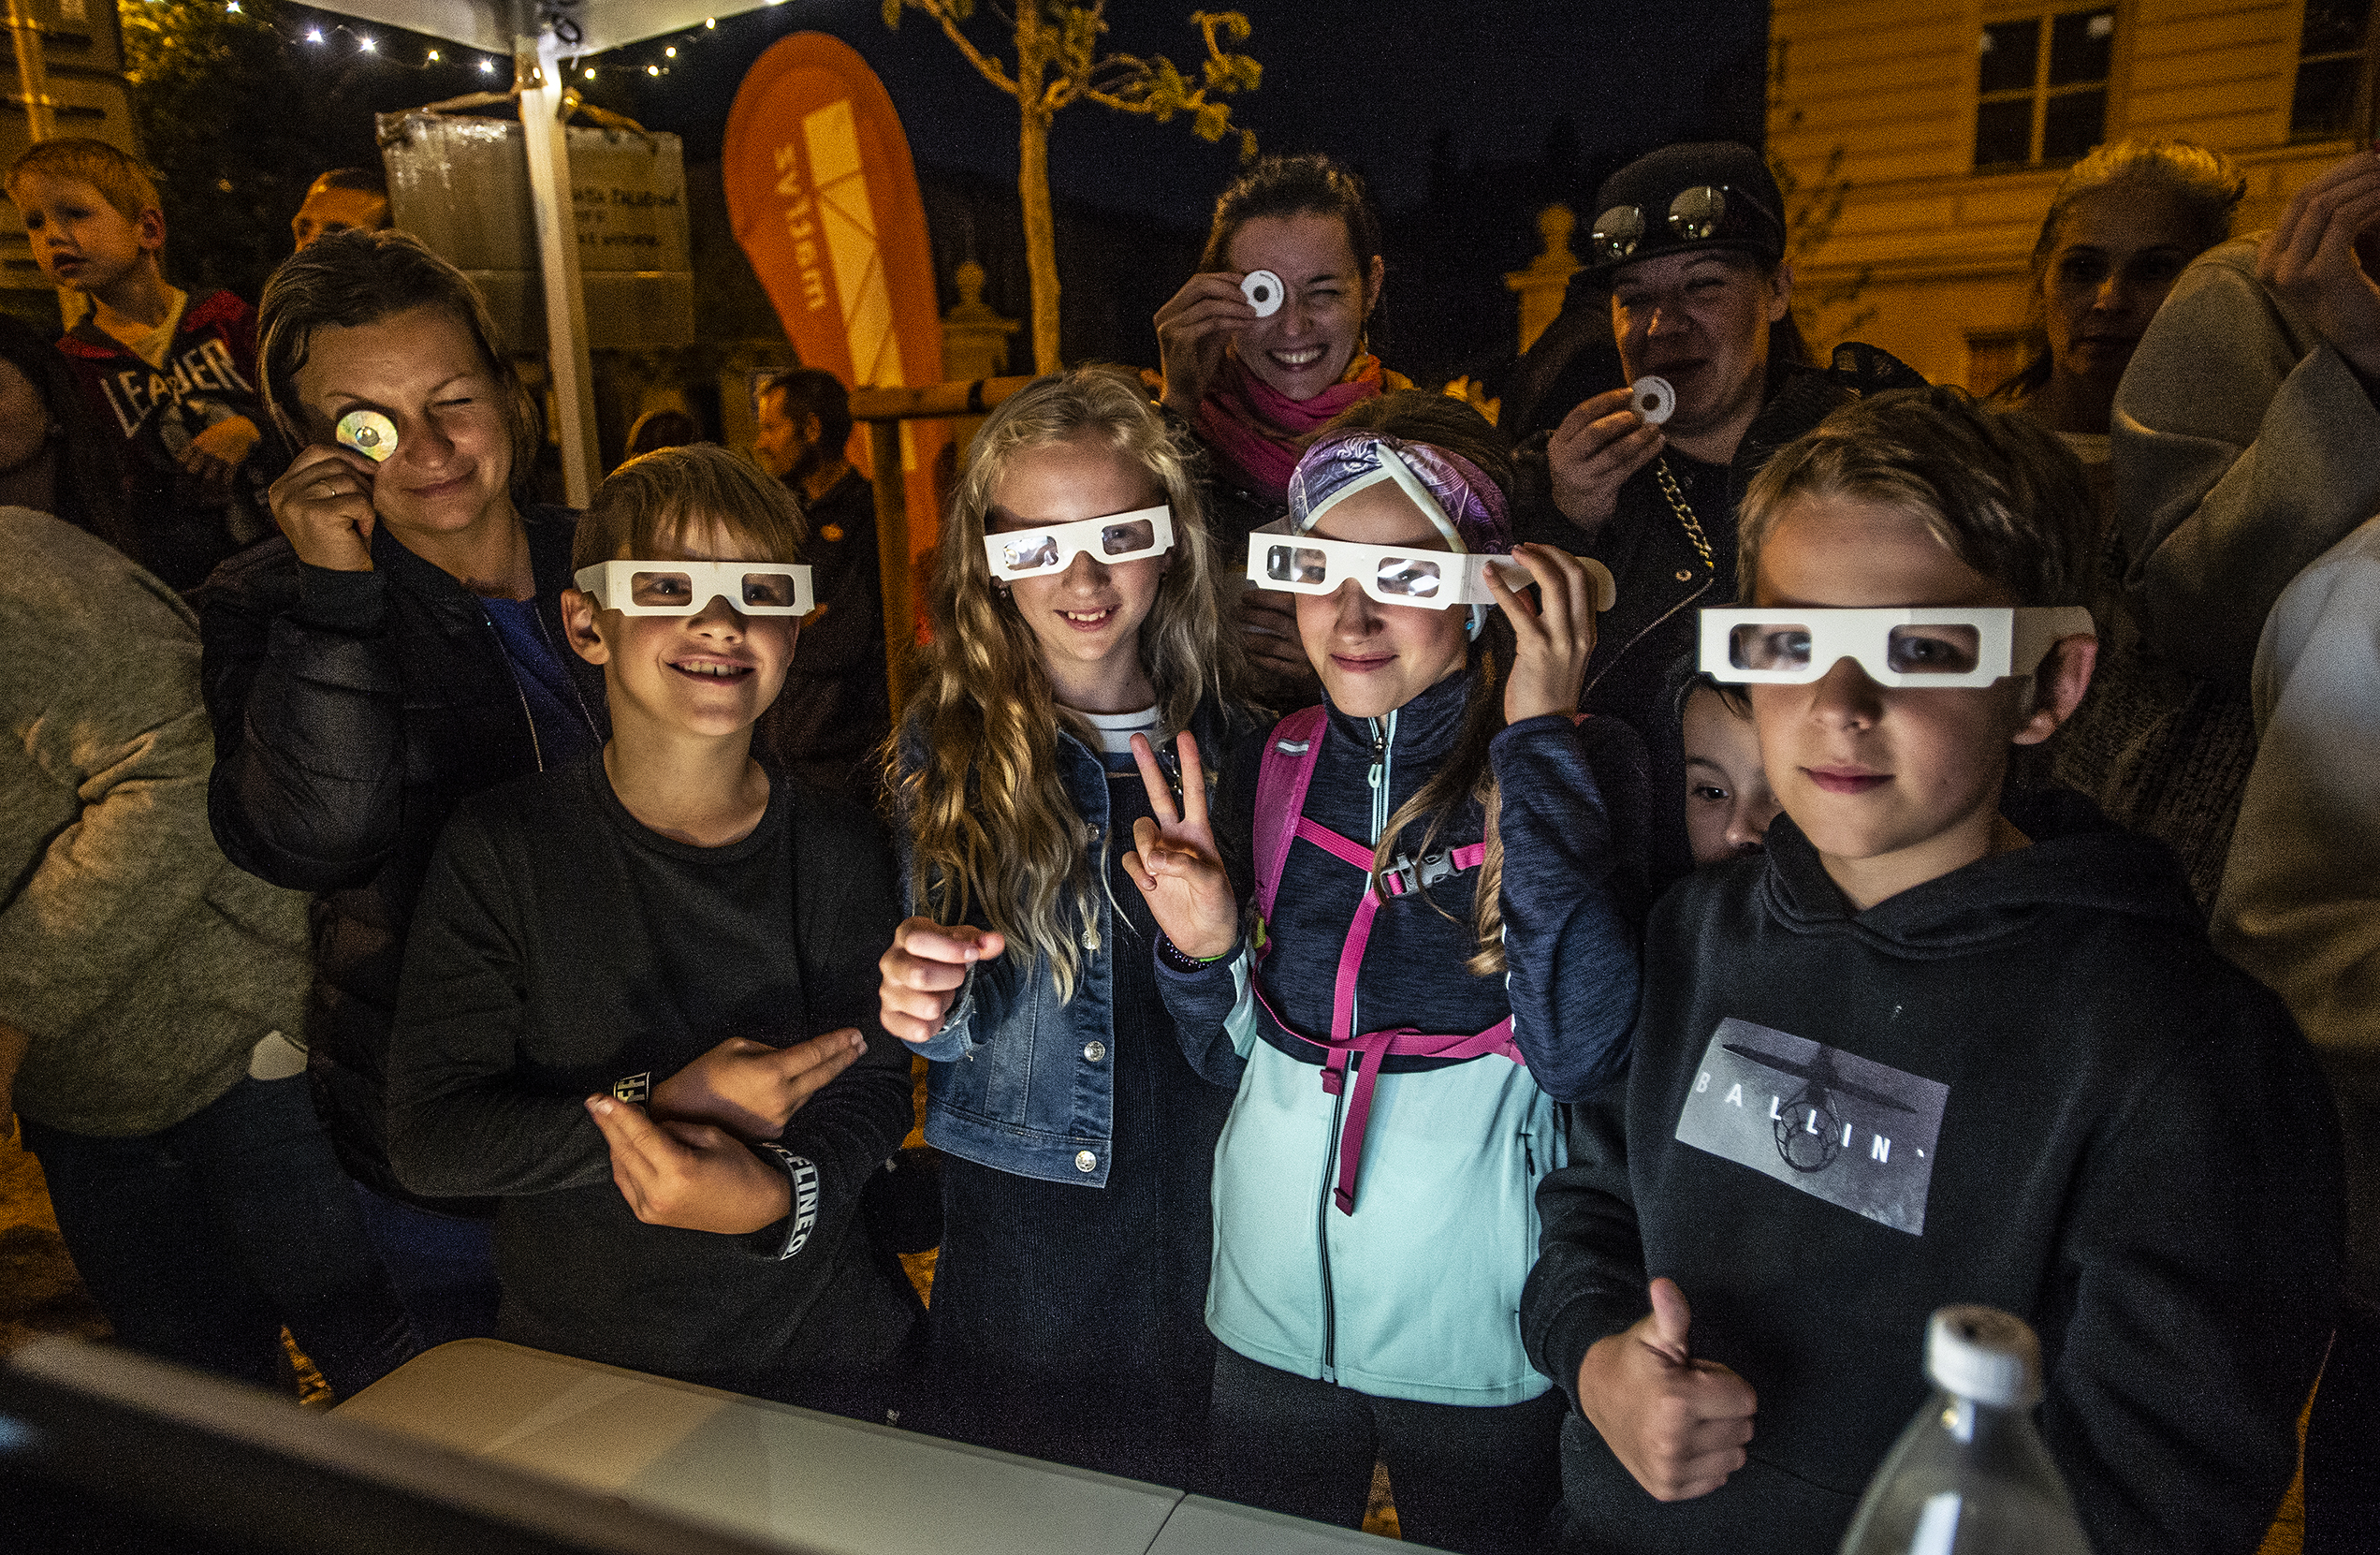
(1439, 848)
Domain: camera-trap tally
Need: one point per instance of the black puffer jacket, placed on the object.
(352, 711)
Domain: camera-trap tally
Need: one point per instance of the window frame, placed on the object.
(2044, 15)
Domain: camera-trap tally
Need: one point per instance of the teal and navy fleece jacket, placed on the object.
(2029, 1083)
(1415, 1295)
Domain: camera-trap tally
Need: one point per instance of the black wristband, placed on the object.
(1172, 956)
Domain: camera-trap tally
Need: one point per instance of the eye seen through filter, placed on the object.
(1944, 649)
(667, 591)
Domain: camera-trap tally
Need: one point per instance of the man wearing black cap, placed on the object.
(1689, 256)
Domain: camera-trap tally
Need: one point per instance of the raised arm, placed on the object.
(2243, 428)
(303, 687)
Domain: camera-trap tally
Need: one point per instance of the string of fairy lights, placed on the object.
(653, 58)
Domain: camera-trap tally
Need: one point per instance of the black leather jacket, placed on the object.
(352, 711)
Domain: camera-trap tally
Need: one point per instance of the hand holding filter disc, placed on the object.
(1263, 290)
(369, 433)
(1653, 399)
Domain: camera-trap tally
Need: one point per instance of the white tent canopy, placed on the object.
(526, 30)
(497, 27)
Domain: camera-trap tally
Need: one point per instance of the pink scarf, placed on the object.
(1257, 430)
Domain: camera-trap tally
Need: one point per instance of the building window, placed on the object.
(2329, 55)
(2043, 88)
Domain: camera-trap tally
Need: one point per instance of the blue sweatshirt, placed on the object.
(1414, 1293)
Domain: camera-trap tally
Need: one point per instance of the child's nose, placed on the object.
(1844, 694)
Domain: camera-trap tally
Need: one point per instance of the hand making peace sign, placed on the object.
(1173, 860)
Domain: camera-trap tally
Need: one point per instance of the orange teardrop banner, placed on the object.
(823, 200)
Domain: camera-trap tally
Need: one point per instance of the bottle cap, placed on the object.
(1984, 1354)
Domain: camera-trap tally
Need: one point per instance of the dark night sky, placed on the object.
(1371, 82)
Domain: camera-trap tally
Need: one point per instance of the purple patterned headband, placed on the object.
(1454, 493)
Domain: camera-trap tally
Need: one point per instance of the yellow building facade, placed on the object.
(1948, 126)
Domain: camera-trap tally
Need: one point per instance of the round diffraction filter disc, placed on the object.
(1263, 290)
(1653, 399)
(369, 433)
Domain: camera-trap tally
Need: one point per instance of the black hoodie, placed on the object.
(2039, 1089)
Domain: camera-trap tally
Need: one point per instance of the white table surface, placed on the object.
(816, 1481)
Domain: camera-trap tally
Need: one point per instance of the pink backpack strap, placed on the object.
(1291, 751)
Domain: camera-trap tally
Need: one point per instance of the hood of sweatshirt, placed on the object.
(2077, 859)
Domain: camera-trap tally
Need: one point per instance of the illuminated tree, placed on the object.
(1057, 63)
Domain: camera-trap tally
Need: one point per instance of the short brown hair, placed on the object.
(654, 496)
(120, 179)
(1995, 486)
(352, 278)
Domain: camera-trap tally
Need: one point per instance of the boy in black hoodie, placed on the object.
(1937, 1045)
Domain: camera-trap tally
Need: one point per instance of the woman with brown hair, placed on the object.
(398, 648)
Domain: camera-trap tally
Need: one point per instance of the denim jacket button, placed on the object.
(1094, 1050)
(1085, 1162)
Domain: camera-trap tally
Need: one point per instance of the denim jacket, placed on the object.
(1019, 1080)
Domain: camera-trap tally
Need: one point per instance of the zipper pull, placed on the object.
(1379, 754)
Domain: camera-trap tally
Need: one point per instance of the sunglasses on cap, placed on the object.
(1281, 559)
(1050, 549)
(687, 587)
(1944, 648)
(1706, 213)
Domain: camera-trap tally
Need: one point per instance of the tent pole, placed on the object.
(539, 75)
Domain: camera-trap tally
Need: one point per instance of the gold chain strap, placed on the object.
(1694, 535)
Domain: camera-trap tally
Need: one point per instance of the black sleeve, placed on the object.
(2200, 1257)
(1589, 1279)
(847, 903)
(461, 1122)
(301, 686)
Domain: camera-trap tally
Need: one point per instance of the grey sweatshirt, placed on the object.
(141, 964)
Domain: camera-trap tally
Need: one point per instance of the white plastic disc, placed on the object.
(1653, 399)
(369, 433)
(1263, 290)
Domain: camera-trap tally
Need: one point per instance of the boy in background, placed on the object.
(692, 940)
(174, 375)
(1729, 803)
(1945, 1044)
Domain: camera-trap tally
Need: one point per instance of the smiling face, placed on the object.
(1729, 803)
(1894, 788)
(79, 239)
(1372, 657)
(709, 675)
(2119, 251)
(1304, 348)
(1086, 619)
(423, 369)
(1700, 319)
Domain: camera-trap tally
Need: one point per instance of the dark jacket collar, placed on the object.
(1425, 729)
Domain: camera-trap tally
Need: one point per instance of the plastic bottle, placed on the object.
(1970, 1475)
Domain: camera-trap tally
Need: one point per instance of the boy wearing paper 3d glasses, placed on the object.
(1942, 1042)
(691, 938)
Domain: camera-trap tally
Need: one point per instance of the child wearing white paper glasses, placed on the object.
(692, 939)
(1439, 848)
(1941, 1042)
(1072, 609)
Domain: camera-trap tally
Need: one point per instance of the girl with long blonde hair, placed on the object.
(1072, 609)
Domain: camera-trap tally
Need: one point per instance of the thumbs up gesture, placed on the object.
(1678, 1424)
(750, 1089)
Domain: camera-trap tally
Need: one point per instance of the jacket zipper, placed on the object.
(537, 746)
(1322, 1235)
